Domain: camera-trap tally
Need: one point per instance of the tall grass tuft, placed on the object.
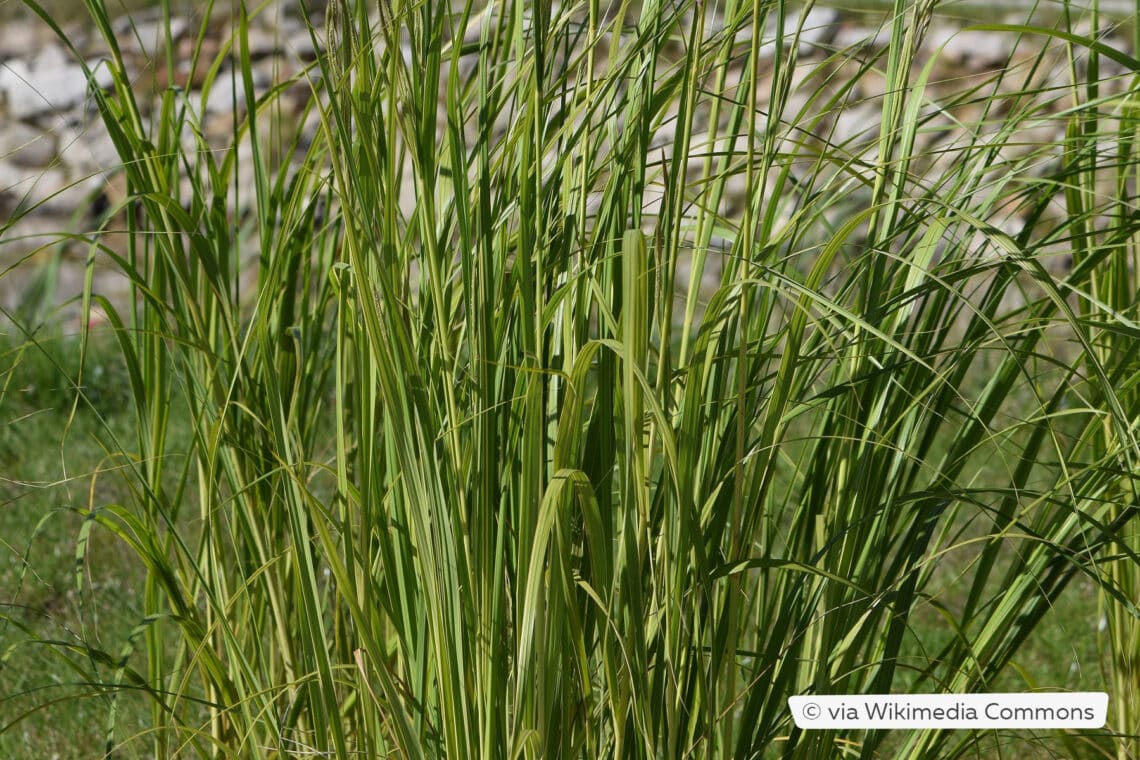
(596, 393)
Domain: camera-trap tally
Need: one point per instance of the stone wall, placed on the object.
(59, 169)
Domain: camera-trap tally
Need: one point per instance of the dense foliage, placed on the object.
(525, 442)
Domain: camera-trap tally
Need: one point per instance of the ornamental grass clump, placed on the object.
(600, 388)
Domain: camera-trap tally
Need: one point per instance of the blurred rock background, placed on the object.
(59, 171)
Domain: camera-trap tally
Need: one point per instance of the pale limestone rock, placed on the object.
(25, 189)
(86, 148)
(856, 125)
(300, 44)
(981, 50)
(263, 42)
(51, 82)
(25, 146)
(820, 26)
(853, 35)
(148, 37)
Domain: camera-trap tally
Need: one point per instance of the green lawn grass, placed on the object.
(58, 458)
